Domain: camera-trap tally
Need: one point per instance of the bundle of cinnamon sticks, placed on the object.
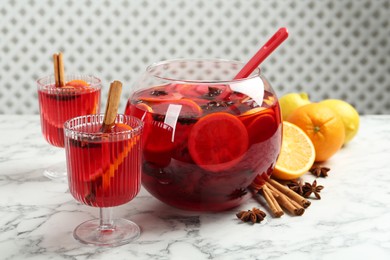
(279, 196)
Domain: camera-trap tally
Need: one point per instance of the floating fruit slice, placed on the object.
(120, 127)
(191, 90)
(108, 171)
(297, 153)
(262, 127)
(158, 144)
(113, 163)
(77, 83)
(218, 141)
(253, 111)
(248, 116)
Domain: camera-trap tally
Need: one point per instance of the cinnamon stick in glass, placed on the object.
(59, 71)
(112, 105)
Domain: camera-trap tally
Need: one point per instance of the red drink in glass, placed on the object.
(60, 104)
(104, 170)
(205, 143)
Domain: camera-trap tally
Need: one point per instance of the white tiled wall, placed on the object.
(336, 49)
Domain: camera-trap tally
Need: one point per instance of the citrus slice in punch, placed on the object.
(297, 153)
(106, 155)
(262, 127)
(218, 141)
(77, 83)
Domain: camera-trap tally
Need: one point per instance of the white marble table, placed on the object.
(352, 221)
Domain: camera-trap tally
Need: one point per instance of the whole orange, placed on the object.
(323, 126)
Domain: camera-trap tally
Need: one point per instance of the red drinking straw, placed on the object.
(263, 53)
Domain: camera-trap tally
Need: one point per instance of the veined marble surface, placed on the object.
(351, 221)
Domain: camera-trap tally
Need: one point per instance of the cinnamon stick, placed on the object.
(114, 96)
(291, 194)
(55, 63)
(61, 70)
(272, 203)
(286, 202)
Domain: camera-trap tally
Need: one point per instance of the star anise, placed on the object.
(308, 189)
(296, 186)
(158, 93)
(255, 215)
(238, 193)
(216, 105)
(213, 92)
(319, 171)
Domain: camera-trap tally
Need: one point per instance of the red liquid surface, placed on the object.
(103, 173)
(222, 141)
(56, 108)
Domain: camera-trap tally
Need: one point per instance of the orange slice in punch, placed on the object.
(120, 157)
(218, 141)
(158, 144)
(107, 172)
(191, 90)
(262, 127)
(77, 83)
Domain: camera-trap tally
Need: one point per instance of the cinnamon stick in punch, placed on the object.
(59, 71)
(112, 105)
(108, 122)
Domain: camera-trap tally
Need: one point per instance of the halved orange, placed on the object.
(297, 153)
(218, 141)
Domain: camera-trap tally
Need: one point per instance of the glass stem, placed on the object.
(106, 219)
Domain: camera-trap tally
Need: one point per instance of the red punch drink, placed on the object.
(58, 104)
(104, 171)
(205, 143)
(103, 168)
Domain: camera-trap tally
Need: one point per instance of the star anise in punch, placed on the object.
(319, 171)
(158, 93)
(296, 186)
(238, 193)
(308, 189)
(255, 215)
(213, 92)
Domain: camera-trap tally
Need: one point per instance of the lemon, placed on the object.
(289, 102)
(348, 114)
(297, 154)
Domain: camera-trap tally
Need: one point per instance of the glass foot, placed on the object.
(122, 232)
(56, 172)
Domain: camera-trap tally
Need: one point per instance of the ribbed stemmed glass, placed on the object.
(104, 171)
(58, 104)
